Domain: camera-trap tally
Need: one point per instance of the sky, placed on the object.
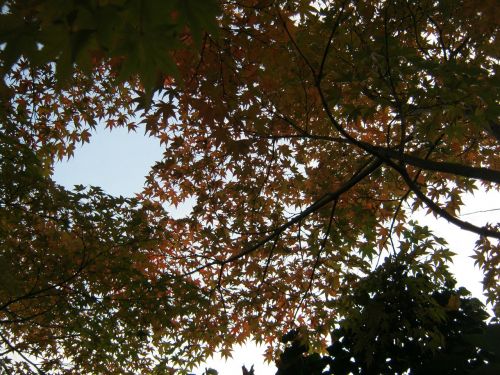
(118, 162)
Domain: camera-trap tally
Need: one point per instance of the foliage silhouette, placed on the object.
(399, 320)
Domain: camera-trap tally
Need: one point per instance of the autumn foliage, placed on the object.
(304, 134)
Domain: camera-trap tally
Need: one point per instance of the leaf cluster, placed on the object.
(399, 321)
(137, 37)
(81, 285)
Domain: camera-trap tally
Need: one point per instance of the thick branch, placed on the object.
(385, 155)
(441, 211)
(478, 173)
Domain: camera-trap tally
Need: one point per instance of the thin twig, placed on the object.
(21, 354)
(316, 262)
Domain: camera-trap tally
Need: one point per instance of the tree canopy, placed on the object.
(398, 320)
(306, 133)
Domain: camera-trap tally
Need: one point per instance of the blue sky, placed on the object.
(118, 161)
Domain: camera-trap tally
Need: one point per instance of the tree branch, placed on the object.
(336, 24)
(327, 198)
(440, 211)
(478, 173)
(318, 256)
(14, 348)
(370, 167)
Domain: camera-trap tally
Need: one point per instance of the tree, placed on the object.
(398, 320)
(306, 134)
(81, 282)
